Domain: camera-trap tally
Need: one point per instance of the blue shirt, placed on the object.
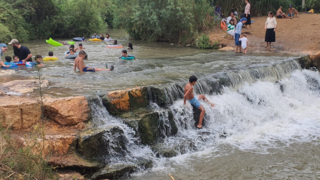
(239, 28)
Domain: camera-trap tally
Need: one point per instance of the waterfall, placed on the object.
(256, 109)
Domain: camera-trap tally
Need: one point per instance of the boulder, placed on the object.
(72, 161)
(19, 113)
(227, 48)
(121, 101)
(57, 144)
(67, 111)
(70, 176)
(113, 171)
(155, 125)
(24, 86)
(306, 62)
(96, 143)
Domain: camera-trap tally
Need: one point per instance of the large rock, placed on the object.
(24, 86)
(19, 113)
(165, 96)
(97, 143)
(121, 101)
(72, 161)
(113, 171)
(306, 62)
(227, 48)
(67, 111)
(155, 125)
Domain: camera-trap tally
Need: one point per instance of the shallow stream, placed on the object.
(265, 125)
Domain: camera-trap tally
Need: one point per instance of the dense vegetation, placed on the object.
(179, 21)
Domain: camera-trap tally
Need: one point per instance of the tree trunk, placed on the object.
(303, 4)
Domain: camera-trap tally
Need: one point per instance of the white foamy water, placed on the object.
(258, 119)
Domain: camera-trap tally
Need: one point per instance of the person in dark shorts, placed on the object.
(193, 100)
(22, 52)
(247, 12)
(78, 63)
(280, 13)
(237, 34)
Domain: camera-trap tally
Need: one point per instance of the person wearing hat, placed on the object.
(238, 33)
(292, 11)
(22, 52)
(3, 48)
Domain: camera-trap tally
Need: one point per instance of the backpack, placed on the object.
(223, 24)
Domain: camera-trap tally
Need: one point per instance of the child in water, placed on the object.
(194, 101)
(244, 43)
(78, 63)
(16, 59)
(124, 54)
(37, 61)
(130, 46)
(8, 61)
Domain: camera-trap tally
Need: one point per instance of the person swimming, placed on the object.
(130, 46)
(194, 101)
(78, 63)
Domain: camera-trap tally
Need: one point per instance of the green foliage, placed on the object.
(258, 7)
(313, 4)
(12, 24)
(203, 42)
(166, 20)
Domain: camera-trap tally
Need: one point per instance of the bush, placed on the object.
(166, 20)
(18, 161)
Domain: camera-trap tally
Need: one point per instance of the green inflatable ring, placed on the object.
(53, 42)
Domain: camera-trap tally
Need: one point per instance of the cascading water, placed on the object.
(256, 109)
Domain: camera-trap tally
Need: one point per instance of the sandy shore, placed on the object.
(298, 35)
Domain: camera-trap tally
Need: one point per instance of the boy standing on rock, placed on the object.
(237, 34)
(189, 95)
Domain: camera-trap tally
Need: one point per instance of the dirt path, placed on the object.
(298, 35)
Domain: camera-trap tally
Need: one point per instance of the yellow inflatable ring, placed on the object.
(95, 39)
(50, 58)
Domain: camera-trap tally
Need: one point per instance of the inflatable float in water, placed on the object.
(128, 58)
(50, 58)
(95, 39)
(53, 42)
(71, 56)
(71, 42)
(20, 63)
(12, 65)
(78, 39)
(115, 46)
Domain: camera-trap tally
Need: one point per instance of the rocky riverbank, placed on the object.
(75, 141)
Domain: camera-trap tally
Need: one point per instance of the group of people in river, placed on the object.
(23, 56)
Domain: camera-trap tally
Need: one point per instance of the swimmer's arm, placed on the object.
(187, 94)
(74, 66)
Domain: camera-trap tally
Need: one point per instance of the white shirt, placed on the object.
(271, 23)
(228, 19)
(247, 9)
(244, 41)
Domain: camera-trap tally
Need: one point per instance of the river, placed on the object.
(265, 125)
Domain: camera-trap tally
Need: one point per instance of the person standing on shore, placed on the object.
(270, 26)
(22, 52)
(237, 34)
(248, 16)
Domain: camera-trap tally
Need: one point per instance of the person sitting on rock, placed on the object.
(190, 96)
(78, 63)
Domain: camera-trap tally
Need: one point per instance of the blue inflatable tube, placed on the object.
(71, 56)
(12, 65)
(78, 39)
(129, 58)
